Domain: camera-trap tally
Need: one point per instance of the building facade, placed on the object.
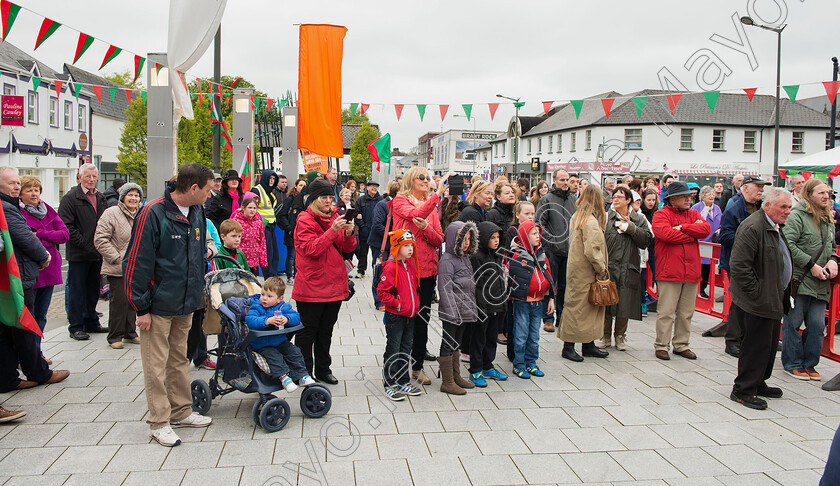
(455, 151)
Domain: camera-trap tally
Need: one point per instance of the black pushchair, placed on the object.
(238, 367)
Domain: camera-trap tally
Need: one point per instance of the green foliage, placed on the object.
(360, 159)
(346, 119)
(132, 150)
(125, 78)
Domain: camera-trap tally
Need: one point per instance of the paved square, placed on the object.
(625, 419)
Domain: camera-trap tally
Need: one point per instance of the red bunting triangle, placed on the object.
(831, 88)
(493, 108)
(252, 100)
(58, 84)
(547, 107)
(673, 100)
(398, 109)
(607, 104)
(443, 110)
(783, 173)
(363, 108)
(270, 102)
(750, 93)
(807, 174)
(128, 95)
(835, 171)
(97, 90)
(200, 94)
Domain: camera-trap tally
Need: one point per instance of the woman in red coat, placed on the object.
(415, 210)
(321, 237)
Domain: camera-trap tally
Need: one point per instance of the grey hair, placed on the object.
(609, 179)
(771, 194)
(86, 167)
(5, 169)
(797, 176)
(704, 191)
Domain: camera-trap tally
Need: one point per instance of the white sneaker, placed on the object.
(165, 437)
(307, 380)
(193, 420)
(288, 384)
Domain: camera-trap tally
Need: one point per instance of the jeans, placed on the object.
(271, 251)
(83, 295)
(284, 359)
(361, 254)
(290, 261)
(19, 347)
(399, 334)
(421, 322)
(43, 296)
(527, 317)
(67, 299)
(803, 351)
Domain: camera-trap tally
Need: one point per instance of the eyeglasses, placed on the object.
(618, 196)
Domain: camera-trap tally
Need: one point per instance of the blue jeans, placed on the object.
(399, 337)
(43, 296)
(284, 359)
(803, 351)
(290, 261)
(527, 317)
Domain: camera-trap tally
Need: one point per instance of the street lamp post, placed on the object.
(515, 147)
(746, 20)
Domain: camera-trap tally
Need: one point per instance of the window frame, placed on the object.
(754, 139)
(722, 142)
(690, 133)
(54, 112)
(588, 141)
(793, 143)
(574, 142)
(636, 145)
(33, 119)
(81, 118)
(68, 115)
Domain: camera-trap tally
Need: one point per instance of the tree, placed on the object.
(132, 150)
(360, 159)
(347, 119)
(125, 78)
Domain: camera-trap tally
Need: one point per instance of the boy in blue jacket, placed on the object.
(268, 311)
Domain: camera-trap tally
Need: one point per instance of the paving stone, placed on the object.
(96, 479)
(220, 475)
(495, 442)
(593, 439)
(463, 420)
(637, 437)
(247, 453)
(788, 456)
(694, 462)
(542, 441)
(492, 470)
(83, 459)
(545, 469)
(30, 435)
(302, 450)
(507, 420)
(401, 446)
(384, 472)
(47, 479)
(447, 444)
(596, 466)
(193, 455)
(645, 465)
(138, 457)
(352, 448)
(77, 412)
(145, 478)
(437, 471)
(80, 434)
(413, 422)
(741, 459)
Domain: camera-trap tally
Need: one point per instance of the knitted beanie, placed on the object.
(129, 186)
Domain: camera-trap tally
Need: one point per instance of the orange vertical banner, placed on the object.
(319, 88)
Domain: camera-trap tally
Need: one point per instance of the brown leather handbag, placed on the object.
(603, 293)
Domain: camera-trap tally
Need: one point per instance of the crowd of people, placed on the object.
(502, 259)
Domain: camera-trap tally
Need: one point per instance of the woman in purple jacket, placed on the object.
(712, 214)
(48, 227)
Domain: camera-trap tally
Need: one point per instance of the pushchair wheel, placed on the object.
(315, 401)
(255, 412)
(275, 415)
(201, 397)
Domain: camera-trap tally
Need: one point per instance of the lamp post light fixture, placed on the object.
(515, 147)
(746, 20)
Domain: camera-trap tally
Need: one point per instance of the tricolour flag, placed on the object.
(245, 170)
(13, 312)
(380, 151)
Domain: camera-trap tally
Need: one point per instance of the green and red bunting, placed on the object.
(58, 85)
(711, 99)
(200, 94)
(607, 103)
(245, 170)
(128, 95)
(225, 138)
(750, 93)
(143, 95)
(270, 102)
(236, 83)
(76, 88)
(36, 81)
(673, 100)
(791, 91)
(48, 27)
(399, 109)
(547, 106)
(493, 107)
(577, 105)
(8, 12)
(380, 151)
(113, 92)
(421, 109)
(443, 110)
(467, 110)
(365, 107)
(97, 90)
(82, 46)
(831, 88)
(353, 108)
(112, 52)
(13, 312)
(639, 103)
(139, 61)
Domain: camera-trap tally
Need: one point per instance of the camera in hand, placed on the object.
(350, 214)
(456, 186)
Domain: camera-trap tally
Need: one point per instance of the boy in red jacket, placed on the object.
(398, 291)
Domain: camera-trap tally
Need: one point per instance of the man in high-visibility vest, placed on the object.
(267, 208)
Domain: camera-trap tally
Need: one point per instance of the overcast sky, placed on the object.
(454, 52)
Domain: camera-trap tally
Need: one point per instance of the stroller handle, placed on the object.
(276, 332)
(228, 259)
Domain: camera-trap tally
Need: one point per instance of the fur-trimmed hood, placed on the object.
(454, 238)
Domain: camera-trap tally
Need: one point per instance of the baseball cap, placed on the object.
(755, 180)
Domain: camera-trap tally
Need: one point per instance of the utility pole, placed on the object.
(217, 100)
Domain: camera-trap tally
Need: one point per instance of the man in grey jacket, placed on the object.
(761, 268)
(553, 213)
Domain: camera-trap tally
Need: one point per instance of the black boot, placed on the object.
(591, 351)
(570, 353)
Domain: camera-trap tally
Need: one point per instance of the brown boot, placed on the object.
(420, 377)
(447, 385)
(456, 374)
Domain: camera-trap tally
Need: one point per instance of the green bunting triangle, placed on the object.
(76, 88)
(711, 99)
(518, 104)
(353, 108)
(113, 93)
(36, 81)
(791, 91)
(143, 95)
(578, 105)
(422, 110)
(282, 104)
(258, 102)
(9, 12)
(467, 110)
(639, 103)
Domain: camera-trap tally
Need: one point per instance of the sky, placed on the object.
(467, 51)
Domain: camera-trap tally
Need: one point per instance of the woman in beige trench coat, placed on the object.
(582, 322)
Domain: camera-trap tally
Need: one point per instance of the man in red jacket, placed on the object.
(676, 229)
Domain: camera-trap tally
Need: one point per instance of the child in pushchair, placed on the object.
(241, 367)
